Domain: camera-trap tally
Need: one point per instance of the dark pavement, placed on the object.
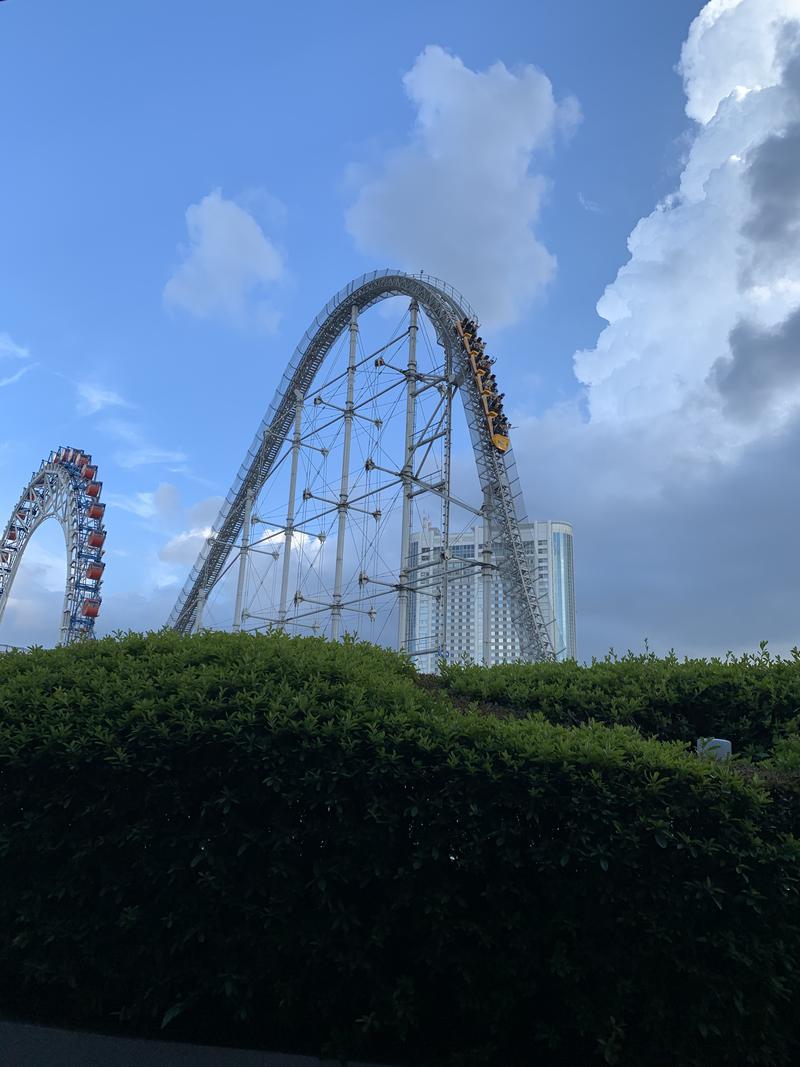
(24, 1045)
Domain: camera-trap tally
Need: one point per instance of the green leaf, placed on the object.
(172, 1013)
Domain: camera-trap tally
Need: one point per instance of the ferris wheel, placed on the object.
(361, 448)
(64, 488)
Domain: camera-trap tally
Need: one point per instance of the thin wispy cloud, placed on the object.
(137, 449)
(140, 504)
(93, 398)
(16, 376)
(161, 502)
(589, 205)
(10, 350)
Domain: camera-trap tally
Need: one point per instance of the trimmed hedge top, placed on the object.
(748, 699)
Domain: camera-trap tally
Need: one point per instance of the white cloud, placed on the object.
(163, 502)
(674, 466)
(138, 450)
(589, 205)
(205, 512)
(185, 546)
(16, 376)
(719, 253)
(140, 504)
(460, 199)
(732, 49)
(228, 265)
(94, 398)
(9, 349)
(33, 611)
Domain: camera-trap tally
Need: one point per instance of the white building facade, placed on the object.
(548, 547)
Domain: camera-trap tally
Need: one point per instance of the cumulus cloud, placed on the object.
(227, 267)
(704, 281)
(673, 466)
(461, 198)
(185, 546)
(763, 369)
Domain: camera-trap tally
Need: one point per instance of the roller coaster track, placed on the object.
(496, 470)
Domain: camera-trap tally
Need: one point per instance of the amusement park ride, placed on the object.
(356, 447)
(64, 488)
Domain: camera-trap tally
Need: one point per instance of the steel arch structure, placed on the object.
(64, 488)
(502, 505)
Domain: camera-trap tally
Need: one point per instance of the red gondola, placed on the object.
(91, 608)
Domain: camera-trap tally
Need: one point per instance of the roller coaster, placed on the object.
(339, 457)
(316, 534)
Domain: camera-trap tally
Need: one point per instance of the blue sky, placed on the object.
(289, 134)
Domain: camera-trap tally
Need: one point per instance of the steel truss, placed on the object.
(64, 488)
(284, 436)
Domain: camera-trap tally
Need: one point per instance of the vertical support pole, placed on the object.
(199, 608)
(289, 530)
(65, 618)
(406, 478)
(61, 508)
(486, 579)
(448, 438)
(243, 553)
(344, 488)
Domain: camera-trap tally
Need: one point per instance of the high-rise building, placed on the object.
(548, 547)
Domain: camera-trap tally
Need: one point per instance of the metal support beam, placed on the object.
(406, 477)
(243, 559)
(289, 532)
(198, 611)
(344, 488)
(448, 438)
(486, 580)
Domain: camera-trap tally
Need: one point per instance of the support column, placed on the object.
(289, 530)
(486, 579)
(199, 608)
(448, 435)
(406, 478)
(62, 513)
(344, 488)
(243, 553)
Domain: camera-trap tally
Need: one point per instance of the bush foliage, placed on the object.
(748, 699)
(286, 842)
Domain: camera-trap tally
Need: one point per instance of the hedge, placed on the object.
(748, 699)
(288, 843)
